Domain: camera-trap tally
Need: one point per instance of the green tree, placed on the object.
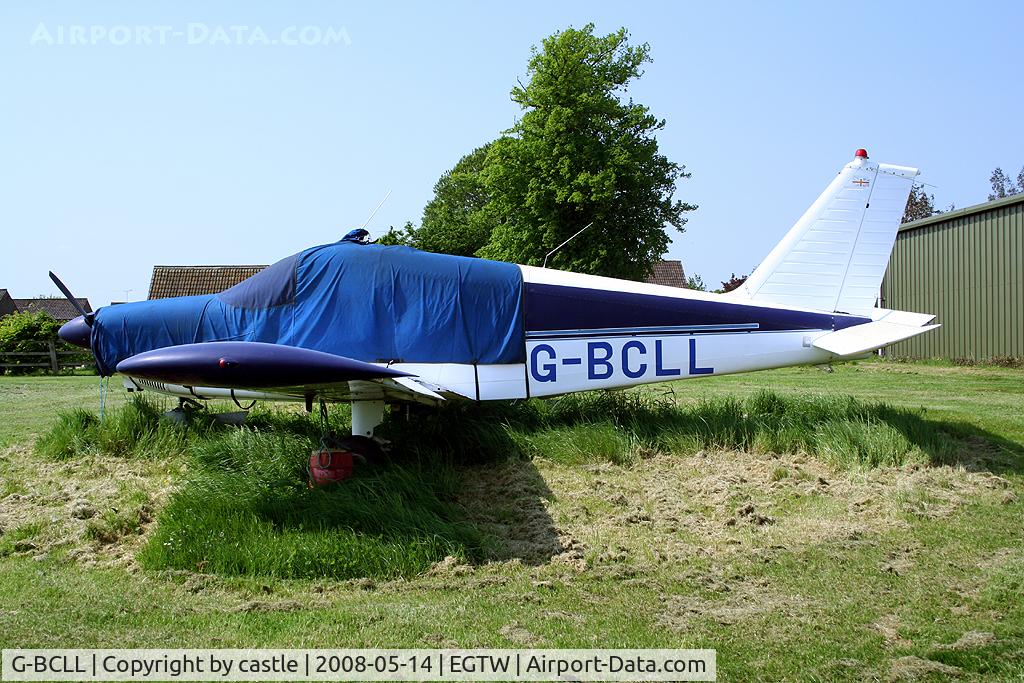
(1003, 186)
(458, 220)
(696, 282)
(919, 205)
(395, 236)
(579, 155)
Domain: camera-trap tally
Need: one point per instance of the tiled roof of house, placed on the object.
(668, 273)
(59, 308)
(171, 281)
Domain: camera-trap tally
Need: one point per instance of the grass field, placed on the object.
(883, 544)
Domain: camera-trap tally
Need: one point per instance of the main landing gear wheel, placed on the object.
(366, 450)
(185, 410)
(337, 458)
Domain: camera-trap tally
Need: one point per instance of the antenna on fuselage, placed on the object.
(374, 212)
(565, 243)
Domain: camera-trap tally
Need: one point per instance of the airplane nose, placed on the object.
(75, 332)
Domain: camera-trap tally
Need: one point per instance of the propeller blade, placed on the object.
(70, 297)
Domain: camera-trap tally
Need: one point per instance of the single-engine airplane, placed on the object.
(373, 324)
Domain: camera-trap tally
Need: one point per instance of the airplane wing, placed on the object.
(251, 368)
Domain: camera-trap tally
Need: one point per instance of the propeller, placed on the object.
(77, 331)
(88, 317)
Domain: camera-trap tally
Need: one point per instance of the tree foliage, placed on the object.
(733, 282)
(398, 236)
(696, 282)
(579, 155)
(22, 332)
(1004, 186)
(919, 204)
(457, 220)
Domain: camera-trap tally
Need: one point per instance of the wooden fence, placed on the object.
(52, 356)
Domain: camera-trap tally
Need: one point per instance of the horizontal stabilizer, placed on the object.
(908, 318)
(859, 339)
(248, 365)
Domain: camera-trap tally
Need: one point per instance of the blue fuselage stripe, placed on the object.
(664, 330)
(568, 312)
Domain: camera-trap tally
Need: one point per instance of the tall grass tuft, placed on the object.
(621, 427)
(134, 429)
(247, 510)
(72, 433)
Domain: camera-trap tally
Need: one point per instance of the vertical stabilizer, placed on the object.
(834, 258)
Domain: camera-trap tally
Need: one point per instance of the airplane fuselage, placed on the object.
(583, 332)
(373, 324)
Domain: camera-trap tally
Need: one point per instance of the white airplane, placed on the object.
(373, 325)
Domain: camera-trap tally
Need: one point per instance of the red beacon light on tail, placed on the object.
(861, 154)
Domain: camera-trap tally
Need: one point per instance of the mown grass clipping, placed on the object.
(245, 508)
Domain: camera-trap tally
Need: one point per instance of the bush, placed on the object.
(21, 332)
(26, 333)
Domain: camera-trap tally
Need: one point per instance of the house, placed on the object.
(668, 273)
(171, 281)
(59, 308)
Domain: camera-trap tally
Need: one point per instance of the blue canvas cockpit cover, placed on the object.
(368, 302)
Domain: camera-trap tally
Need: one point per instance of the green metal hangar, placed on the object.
(966, 267)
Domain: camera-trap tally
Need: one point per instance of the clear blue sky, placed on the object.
(116, 157)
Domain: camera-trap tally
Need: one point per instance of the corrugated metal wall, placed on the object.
(966, 269)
